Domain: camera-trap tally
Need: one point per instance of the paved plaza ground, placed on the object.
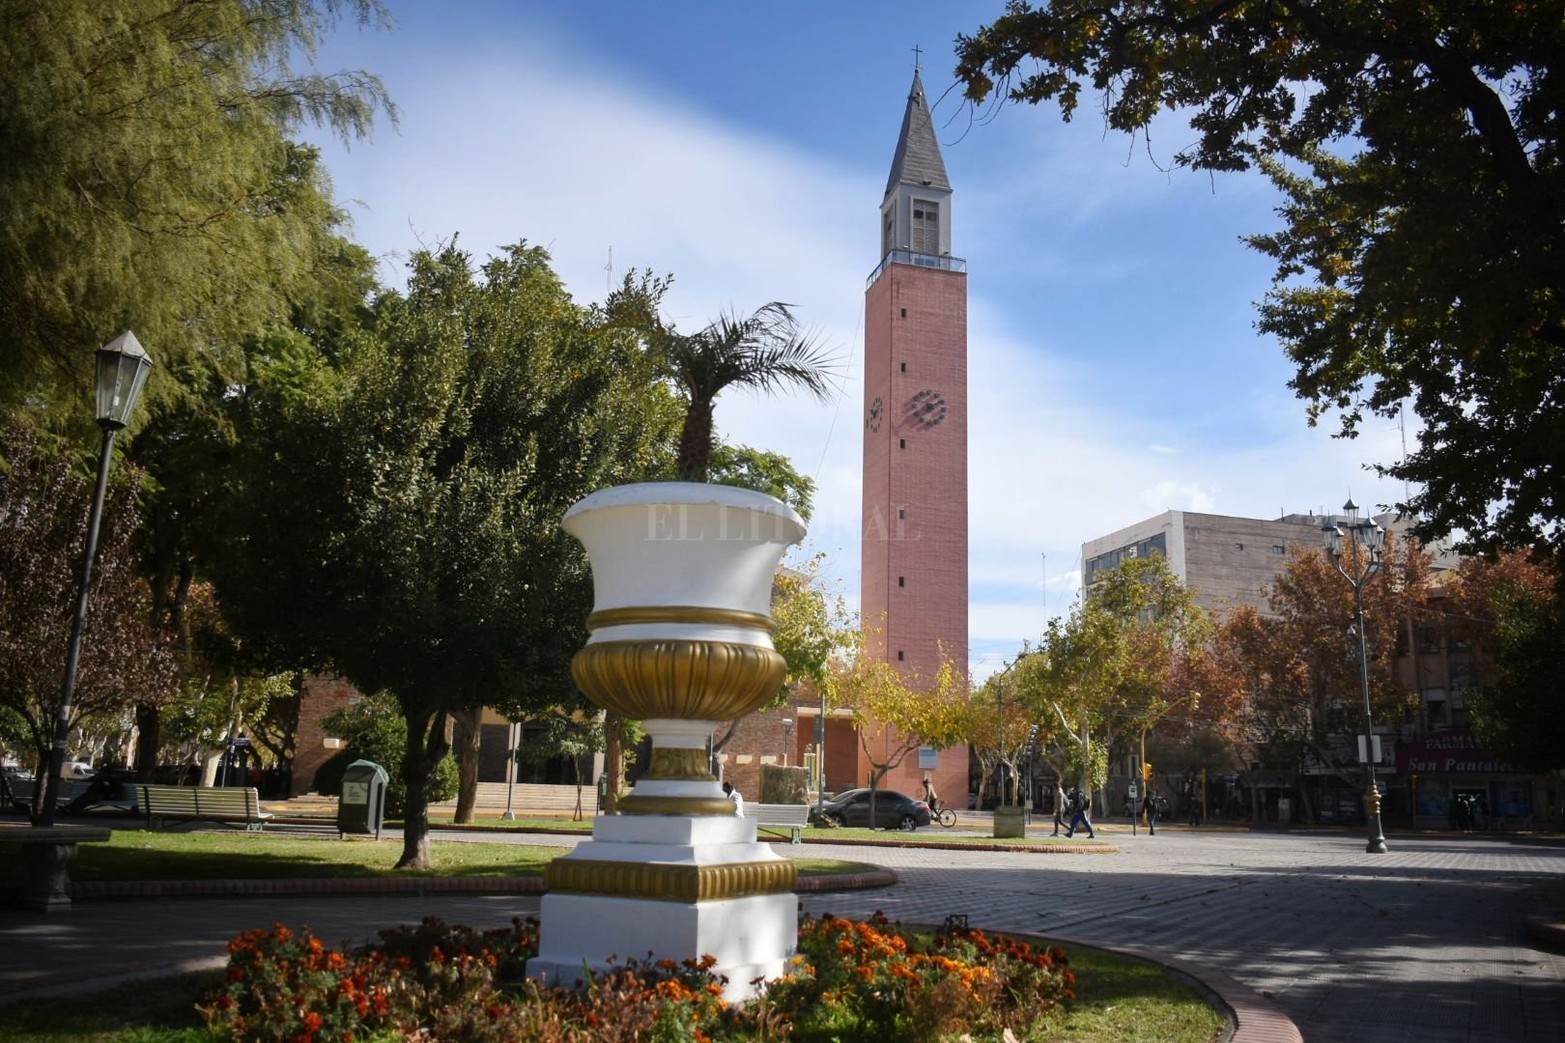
(1424, 944)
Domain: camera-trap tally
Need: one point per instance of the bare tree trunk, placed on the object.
(427, 746)
(147, 741)
(465, 740)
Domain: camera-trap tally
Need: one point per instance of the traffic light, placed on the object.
(1146, 771)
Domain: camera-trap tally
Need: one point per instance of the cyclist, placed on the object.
(931, 797)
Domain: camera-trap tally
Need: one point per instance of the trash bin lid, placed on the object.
(362, 771)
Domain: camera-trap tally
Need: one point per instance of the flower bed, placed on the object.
(851, 981)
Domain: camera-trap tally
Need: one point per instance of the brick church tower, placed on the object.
(913, 595)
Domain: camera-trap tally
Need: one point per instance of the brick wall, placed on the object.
(322, 697)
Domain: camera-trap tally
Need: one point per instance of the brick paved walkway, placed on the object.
(1423, 944)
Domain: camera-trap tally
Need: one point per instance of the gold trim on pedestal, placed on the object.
(631, 615)
(681, 763)
(673, 883)
(701, 680)
(650, 804)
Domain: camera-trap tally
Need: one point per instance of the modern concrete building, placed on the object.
(1224, 560)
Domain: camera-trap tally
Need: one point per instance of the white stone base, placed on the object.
(751, 937)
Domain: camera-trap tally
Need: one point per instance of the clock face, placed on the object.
(877, 410)
(927, 409)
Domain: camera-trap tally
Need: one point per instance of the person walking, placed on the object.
(1059, 809)
(1152, 811)
(734, 795)
(1078, 806)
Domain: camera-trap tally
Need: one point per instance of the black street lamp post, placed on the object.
(123, 365)
(1358, 545)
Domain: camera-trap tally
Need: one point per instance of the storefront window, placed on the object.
(1511, 799)
(1434, 798)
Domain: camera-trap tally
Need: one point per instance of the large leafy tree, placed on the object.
(399, 519)
(896, 713)
(149, 178)
(1297, 688)
(1508, 610)
(1116, 666)
(44, 503)
(1418, 145)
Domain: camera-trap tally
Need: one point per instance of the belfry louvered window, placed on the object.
(926, 227)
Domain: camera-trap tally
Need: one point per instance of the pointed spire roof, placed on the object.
(918, 161)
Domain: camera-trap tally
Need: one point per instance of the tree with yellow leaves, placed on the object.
(897, 713)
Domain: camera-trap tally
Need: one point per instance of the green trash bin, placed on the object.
(362, 806)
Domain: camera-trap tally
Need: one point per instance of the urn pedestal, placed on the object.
(680, 638)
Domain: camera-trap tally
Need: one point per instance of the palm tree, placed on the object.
(765, 351)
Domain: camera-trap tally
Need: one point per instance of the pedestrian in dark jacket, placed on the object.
(1078, 808)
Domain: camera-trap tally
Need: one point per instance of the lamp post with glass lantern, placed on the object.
(1355, 548)
(122, 368)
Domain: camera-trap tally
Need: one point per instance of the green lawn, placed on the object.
(237, 855)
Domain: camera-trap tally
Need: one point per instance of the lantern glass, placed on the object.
(123, 365)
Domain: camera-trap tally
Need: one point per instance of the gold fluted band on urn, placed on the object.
(669, 882)
(703, 680)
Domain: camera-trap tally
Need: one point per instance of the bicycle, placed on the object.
(942, 816)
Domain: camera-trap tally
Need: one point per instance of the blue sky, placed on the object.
(1114, 369)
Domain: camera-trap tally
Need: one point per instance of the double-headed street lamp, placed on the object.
(123, 365)
(1355, 548)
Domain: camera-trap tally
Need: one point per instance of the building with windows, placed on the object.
(1431, 765)
(1222, 559)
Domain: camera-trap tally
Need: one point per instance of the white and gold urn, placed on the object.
(680, 638)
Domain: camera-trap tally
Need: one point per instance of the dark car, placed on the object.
(893, 810)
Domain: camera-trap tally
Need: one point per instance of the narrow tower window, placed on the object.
(901, 581)
(926, 227)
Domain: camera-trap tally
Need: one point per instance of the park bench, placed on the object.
(47, 853)
(20, 792)
(164, 805)
(778, 817)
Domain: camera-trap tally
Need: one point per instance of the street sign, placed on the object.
(1133, 791)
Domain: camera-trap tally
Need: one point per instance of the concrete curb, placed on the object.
(1029, 848)
(1546, 929)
